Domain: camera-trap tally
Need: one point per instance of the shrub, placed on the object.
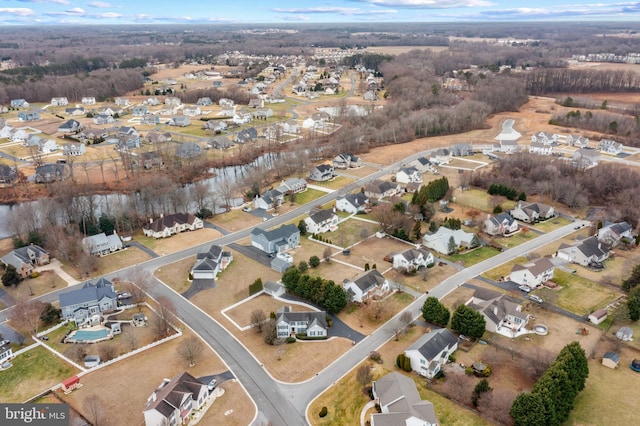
(255, 287)
(314, 261)
(468, 371)
(374, 356)
(407, 364)
(290, 340)
(400, 361)
(35, 274)
(323, 412)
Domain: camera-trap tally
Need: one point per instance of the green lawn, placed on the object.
(504, 269)
(336, 183)
(472, 257)
(32, 372)
(577, 294)
(515, 240)
(552, 224)
(307, 196)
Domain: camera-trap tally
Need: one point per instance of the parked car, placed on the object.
(124, 295)
(525, 288)
(536, 298)
(212, 385)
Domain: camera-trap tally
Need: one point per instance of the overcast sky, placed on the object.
(25, 12)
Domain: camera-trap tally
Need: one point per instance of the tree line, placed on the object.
(317, 290)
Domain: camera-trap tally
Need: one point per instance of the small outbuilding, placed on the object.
(625, 334)
(91, 361)
(274, 289)
(610, 359)
(598, 316)
(71, 384)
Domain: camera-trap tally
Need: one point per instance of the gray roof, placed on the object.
(399, 394)
(280, 264)
(321, 216)
(214, 252)
(592, 247)
(205, 264)
(612, 356)
(311, 317)
(371, 278)
(285, 231)
(273, 286)
(88, 293)
(22, 255)
(358, 199)
(431, 344)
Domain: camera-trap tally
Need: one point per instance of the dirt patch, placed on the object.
(241, 314)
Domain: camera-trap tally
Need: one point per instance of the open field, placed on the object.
(481, 200)
(577, 294)
(373, 251)
(32, 372)
(235, 220)
(144, 372)
(471, 257)
(515, 240)
(179, 241)
(417, 282)
(335, 271)
(335, 183)
(306, 197)
(350, 232)
(363, 319)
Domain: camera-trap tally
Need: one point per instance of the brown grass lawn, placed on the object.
(359, 172)
(345, 399)
(373, 251)
(515, 240)
(505, 269)
(551, 224)
(434, 276)
(334, 271)
(32, 372)
(362, 318)
(241, 314)
(134, 379)
(176, 274)
(349, 232)
(307, 249)
(47, 282)
(179, 241)
(335, 183)
(235, 220)
(119, 260)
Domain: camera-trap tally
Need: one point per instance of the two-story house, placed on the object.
(408, 175)
(289, 324)
(210, 263)
(532, 212)
(322, 173)
(369, 284)
(70, 126)
(412, 259)
(101, 244)
(60, 101)
(447, 241)
(277, 240)
(613, 234)
(169, 225)
(321, 221)
(175, 400)
(502, 224)
(431, 351)
(87, 303)
(26, 259)
(532, 274)
(502, 314)
(585, 252)
(609, 146)
(346, 161)
(540, 148)
(400, 403)
(270, 199)
(352, 203)
(382, 189)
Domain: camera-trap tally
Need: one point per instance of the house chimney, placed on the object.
(161, 215)
(150, 220)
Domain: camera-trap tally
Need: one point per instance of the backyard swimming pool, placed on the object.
(88, 336)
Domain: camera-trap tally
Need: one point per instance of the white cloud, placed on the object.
(17, 11)
(46, 1)
(348, 11)
(295, 18)
(429, 4)
(75, 10)
(100, 4)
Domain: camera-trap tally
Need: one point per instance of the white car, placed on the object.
(124, 295)
(212, 385)
(525, 288)
(536, 298)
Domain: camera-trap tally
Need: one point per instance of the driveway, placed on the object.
(252, 253)
(197, 285)
(144, 248)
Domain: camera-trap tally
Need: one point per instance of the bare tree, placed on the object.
(108, 351)
(165, 315)
(190, 350)
(258, 317)
(404, 321)
(25, 316)
(130, 337)
(363, 375)
(326, 254)
(94, 410)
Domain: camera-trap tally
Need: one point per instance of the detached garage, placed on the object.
(610, 359)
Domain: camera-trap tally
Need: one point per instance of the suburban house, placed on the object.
(188, 150)
(179, 121)
(262, 113)
(269, 199)
(216, 125)
(461, 150)
(224, 102)
(532, 212)
(423, 165)
(19, 103)
(431, 351)
(103, 119)
(122, 101)
(586, 158)
(277, 240)
(8, 176)
(503, 314)
(210, 263)
(191, 111)
(6, 353)
(447, 241)
(149, 160)
(221, 143)
(412, 259)
(441, 156)
(26, 259)
(51, 172)
(158, 137)
(169, 225)
(274, 289)
(544, 138)
(322, 173)
(45, 146)
(150, 119)
(86, 303)
(241, 118)
(74, 149)
(172, 100)
(204, 102)
(75, 111)
(609, 146)
(502, 224)
(247, 135)
(70, 126)
(293, 185)
(400, 403)
(507, 146)
(577, 141)
(613, 234)
(174, 401)
(101, 244)
(280, 264)
(408, 175)
(321, 221)
(346, 161)
(311, 323)
(369, 284)
(532, 274)
(381, 189)
(584, 252)
(540, 148)
(28, 115)
(256, 103)
(127, 142)
(88, 100)
(352, 203)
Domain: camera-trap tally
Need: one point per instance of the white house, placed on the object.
(609, 146)
(540, 148)
(613, 234)
(175, 400)
(191, 111)
(503, 314)
(577, 141)
(532, 274)
(544, 138)
(379, 189)
(584, 252)
(412, 259)
(62, 101)
(322, 173)
(431, 351)
(586, 158)
(400, 403)
(352, 203)
(441, 156)
(502, 224)
(268, 200)
(532, 212)
(369, 284)
(321, 221)
(311, 323)
(88, 100)
(408, 175)
(101, 244)
(210, 263)
(447, 241)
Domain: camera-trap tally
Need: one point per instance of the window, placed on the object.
(422, 361)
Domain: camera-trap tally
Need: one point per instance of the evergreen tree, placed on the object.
(528, 410)
(467, 321)
(11, 276)
(633, 303)
(435, 312)
(633, 280)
